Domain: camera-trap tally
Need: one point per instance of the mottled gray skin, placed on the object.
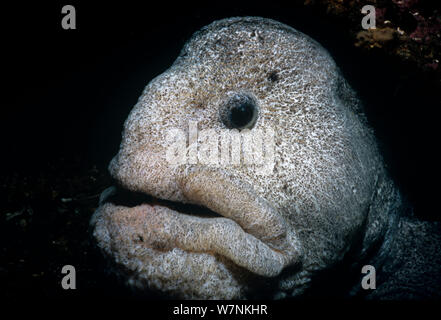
(329, 201)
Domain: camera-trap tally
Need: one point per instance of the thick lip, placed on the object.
(264, 247)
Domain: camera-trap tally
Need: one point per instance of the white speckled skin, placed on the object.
(328, 186)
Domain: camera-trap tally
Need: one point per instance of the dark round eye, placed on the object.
(241, 115)
(239, 112)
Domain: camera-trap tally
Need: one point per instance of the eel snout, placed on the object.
(244, 228)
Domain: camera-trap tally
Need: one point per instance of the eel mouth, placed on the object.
(209, 222)
(120, 196)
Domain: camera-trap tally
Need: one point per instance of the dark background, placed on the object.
(66, 94)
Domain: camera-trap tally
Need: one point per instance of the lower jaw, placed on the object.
(181, 255)
(145, 262)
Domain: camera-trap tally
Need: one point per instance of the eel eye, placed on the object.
(239, 112)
